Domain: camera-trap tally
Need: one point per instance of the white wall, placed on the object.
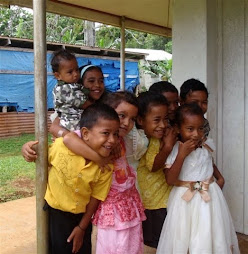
(189, 45)
(210, 42)
(234, 107)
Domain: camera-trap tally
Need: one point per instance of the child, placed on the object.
(70, 97)
(170, 92)
(119, 218)
(194, 91)
(76, 185)
(154, 191)
(92, 77)
(198, 219)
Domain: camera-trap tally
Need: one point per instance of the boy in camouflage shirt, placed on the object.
(70, 97)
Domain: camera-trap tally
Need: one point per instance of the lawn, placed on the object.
(17, 177)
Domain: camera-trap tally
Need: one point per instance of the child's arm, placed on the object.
(168, 142)
(218, 176)
(56, 130)
(184, 149)
(28, 151)
(78, 232)
(78, 146)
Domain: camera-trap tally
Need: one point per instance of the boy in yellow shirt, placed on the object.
(76, 185)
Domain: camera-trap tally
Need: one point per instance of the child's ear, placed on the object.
(85, 134)
(139, 121)
(57, 75)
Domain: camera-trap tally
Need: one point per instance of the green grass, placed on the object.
(12, 146)
(17, 177)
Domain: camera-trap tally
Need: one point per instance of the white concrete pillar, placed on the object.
(234, 46)
(195, 48)
(189, 41)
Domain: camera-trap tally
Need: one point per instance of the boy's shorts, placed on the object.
(152, 226)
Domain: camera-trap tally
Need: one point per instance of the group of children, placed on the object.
(95, 159)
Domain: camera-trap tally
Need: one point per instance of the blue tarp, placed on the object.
(17, 78)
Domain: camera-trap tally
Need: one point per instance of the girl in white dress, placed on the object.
(198, 218)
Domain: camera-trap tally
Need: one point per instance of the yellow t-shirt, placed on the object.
(71, 183)
(153, 188)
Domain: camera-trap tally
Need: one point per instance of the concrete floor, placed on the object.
(18, 229)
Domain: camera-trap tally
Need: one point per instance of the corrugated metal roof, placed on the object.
(8, 42)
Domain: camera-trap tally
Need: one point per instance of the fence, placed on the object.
(17, 123)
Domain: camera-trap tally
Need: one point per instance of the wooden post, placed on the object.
(40, 80)
(122, 85)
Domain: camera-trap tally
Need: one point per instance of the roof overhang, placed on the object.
(8, 43)
(154, 16)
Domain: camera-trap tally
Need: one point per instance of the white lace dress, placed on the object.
(136, 145)
(197, 226)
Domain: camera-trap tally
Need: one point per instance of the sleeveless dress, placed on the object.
(197, 225)
(119, 218)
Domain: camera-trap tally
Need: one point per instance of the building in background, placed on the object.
(17, 79)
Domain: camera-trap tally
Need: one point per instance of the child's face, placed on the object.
(68, 71)
(199, 97)
(155, 122)
(192, 128)
(173, 101)
(102, 137)
(127, 114)
(94, 80)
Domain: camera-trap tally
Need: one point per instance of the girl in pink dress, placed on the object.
(119, 218)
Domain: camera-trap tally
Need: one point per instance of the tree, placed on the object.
(109, 37)
(64, 30)
(161, 69)
(18, 22)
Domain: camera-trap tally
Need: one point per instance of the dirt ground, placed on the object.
(18, 229)
(23, 187)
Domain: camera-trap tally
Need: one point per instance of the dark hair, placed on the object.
(187, 109)
(97, 111)
(163, 87)
(58, 56)
(116, 98)
(148, 99)
(92, 67)
(190, 86)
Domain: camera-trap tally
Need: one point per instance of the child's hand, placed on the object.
(28, 151)
(170, 138)
(87, 104)
(103, 163)
(76, 236)
(187, 147)
(218, 176)
(116, 152)
(201, 142)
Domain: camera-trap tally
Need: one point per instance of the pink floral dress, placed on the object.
(119, 218)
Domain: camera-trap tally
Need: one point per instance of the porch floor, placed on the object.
(18, 229)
